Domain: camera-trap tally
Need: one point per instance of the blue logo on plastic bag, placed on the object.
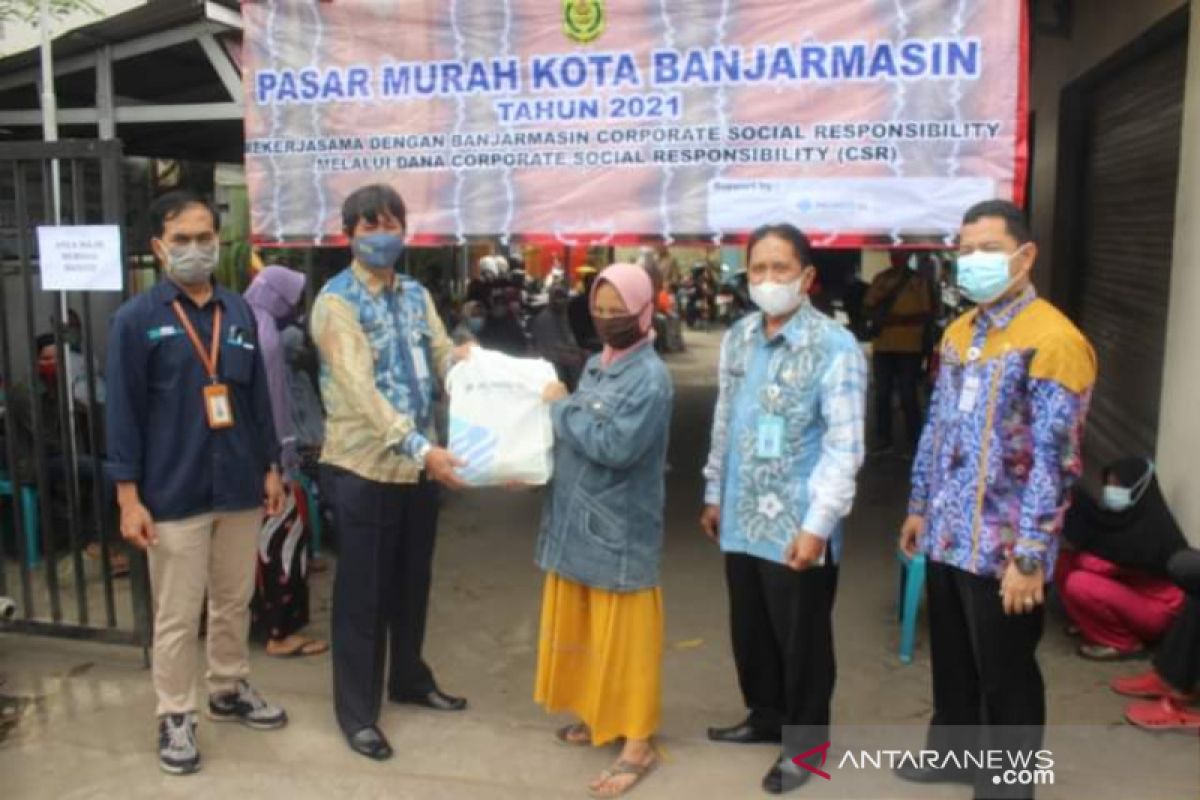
(477, 446)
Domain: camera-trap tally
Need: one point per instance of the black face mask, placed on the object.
(619, 332)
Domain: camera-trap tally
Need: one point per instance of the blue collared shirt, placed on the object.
(158, 434)
(811, 376)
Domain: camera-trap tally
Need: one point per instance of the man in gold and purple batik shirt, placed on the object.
(991, 484)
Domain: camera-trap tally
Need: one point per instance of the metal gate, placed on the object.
(61, 554)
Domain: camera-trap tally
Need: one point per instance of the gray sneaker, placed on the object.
(247, 706)
(177, 752)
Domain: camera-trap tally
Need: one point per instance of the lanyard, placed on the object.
(208, 360)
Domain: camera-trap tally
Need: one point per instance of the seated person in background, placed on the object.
(579, 312)
(43, 391)
(1114, 581)
(1169, 690)
(480, 289)
(503, 331)
(77, 366)
(554, 341)
(474, 318)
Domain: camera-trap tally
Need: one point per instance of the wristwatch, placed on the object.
(1027, 565)
(422, 454)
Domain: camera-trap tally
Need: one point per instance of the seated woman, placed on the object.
(600, 545)
(1113, 582)
(1171, 688)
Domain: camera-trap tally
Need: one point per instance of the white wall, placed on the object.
(1179, 422)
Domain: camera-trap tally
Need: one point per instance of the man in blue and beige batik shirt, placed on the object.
(383, 350)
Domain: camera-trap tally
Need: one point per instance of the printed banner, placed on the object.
(610, 120)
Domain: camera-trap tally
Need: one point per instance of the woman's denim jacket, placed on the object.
(602, 524)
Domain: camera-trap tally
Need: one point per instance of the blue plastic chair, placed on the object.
(314, 512)
(912, 586)
(29, 515)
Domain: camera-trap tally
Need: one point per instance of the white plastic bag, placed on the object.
(499, 423)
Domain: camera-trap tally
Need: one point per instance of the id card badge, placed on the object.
(970, 393)
(770, 436)
(218, 407)
(420, 363)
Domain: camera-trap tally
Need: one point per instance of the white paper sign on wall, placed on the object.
(80, 258)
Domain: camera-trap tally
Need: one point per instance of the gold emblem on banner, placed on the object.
(583, 20)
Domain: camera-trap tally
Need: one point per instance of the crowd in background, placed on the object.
(1124, 575)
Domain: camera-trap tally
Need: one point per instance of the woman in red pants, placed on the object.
(1114, 583)
(1169, 692)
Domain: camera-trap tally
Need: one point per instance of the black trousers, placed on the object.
(782, 625)
(985, 671)
(380, 593)
(897, 372)
(1178, 658)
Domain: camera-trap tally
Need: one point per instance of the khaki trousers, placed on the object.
(215, 552)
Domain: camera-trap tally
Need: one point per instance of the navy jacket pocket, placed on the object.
(237, 363)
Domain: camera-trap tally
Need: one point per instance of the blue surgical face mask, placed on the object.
(475, 324)
(1117, 498)
(378, 250)
(985, 277)
(1123, 498)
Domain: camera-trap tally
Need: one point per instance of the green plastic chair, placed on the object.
(29, 514)
(912, 586)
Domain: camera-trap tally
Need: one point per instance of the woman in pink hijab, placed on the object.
(600, 544)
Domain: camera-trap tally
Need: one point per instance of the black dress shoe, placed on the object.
(744, 733)
(370, 742)
(436, 699)
(784, 777)
(921, 775)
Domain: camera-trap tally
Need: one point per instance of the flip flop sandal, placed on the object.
(569, 735)
(1147, 686)
(638, 771)
(309, 647)
(1163, 715)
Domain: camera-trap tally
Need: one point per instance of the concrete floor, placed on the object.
(79, 720)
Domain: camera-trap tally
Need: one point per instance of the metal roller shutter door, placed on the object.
(1131, 169)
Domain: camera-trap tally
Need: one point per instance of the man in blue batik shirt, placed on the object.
(787, 444)
(383, 351)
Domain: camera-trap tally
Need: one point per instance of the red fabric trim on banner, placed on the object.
(1021, 163)
(580, 242)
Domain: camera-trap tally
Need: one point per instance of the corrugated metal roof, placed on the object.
(154, 16)
(180, 73)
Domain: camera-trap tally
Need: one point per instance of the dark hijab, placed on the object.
(1143, 537)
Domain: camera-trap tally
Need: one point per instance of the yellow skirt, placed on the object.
(600, 657)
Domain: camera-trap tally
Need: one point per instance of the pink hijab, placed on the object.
(636, 289)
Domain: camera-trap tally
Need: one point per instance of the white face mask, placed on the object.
(777, 299)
